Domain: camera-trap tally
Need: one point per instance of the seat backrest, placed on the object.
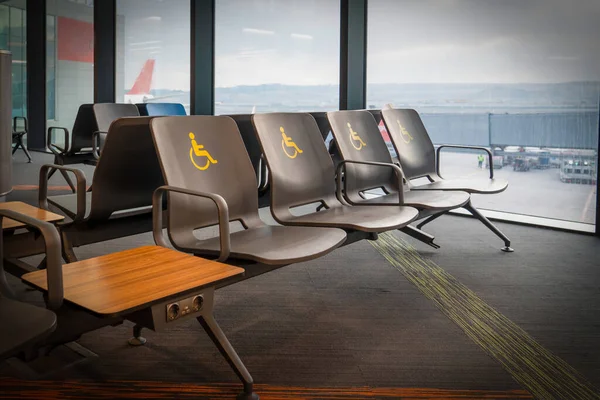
(106, 113)
(301, 171)
(411, 141)
(207, 154)
(358, 138)
(128, 171)
(83, 128)
(161, 109)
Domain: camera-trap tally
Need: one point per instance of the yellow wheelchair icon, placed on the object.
(199, 151)
(287, 142)
(405, 135)
(355, 138)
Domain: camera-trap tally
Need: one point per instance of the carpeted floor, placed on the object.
(352, 320)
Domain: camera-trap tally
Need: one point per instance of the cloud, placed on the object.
(301, 36)
(258, 31)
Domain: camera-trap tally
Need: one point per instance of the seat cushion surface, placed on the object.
(480, 186)
(366, 219)
(274, 245)
(22, 324)
(424, 199)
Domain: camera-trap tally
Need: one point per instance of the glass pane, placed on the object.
(520, 78)
(19, 89)
(16, 23)
(50, 67)
(12, 38)
(70, 60)
(276, 55)
(4, 15)
(153, 51)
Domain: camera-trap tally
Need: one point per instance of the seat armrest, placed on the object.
(222, 210)
(52, 146)
(80, 192)
(96, 143)
(53, 254)
(395, 167)
(490, 158)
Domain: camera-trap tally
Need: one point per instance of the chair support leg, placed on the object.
(475, 212)
(430, 219)
(419, 235)
(215, 333)
(137, 339)
(18, 141)
(51, 172)
(26, 153)
(65, 175)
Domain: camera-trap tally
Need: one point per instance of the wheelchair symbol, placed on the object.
(404, 134)
(198, 151)
(355, 138)
(287, 142)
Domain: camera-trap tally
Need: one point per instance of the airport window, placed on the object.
(519, 78)
(276, 56)
(50, 67)
(13, 39)
(69, 61)
(4, 24)
(153, 52)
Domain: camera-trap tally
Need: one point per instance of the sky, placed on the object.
(483, 41)
(409, 41)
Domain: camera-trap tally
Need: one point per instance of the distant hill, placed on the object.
(443, 97)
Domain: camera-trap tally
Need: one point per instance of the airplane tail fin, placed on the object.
(144, 80)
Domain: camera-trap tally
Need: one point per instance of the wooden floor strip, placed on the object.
(543, 374)
(13, 389)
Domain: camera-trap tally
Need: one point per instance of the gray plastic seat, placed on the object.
(83, 144)
(357, 137)
(78, 147)
(302, 173)
(124, 181)
(419, 159)
(22, 325)
(20, 129)
(206, 155)
(417, 155)
(105, 114)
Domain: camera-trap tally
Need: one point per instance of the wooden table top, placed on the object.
(131, 279)
(28, 210)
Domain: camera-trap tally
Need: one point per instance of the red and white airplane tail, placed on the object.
(140, 91)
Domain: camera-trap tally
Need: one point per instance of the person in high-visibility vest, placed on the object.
(480, 159)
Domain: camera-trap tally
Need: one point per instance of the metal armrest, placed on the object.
(53, 146)
(222, 210)
(81, 189)
(96, 143)
(491, 159)
(53, 254)
(395, 167)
